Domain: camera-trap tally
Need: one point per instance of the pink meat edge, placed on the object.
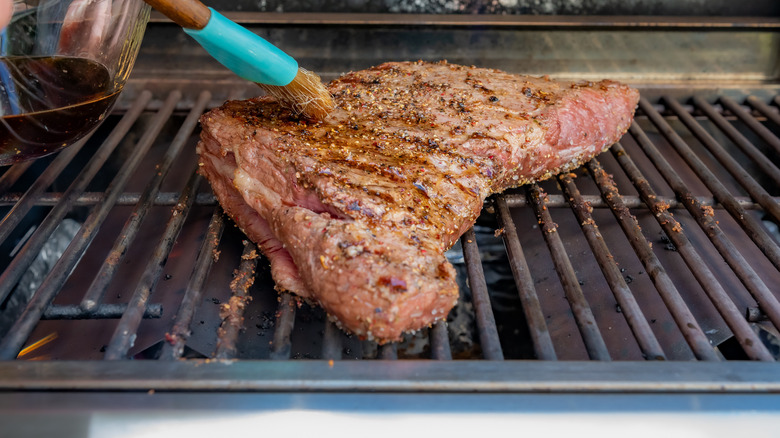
(283, 269)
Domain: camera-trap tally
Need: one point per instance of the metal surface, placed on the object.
(704, 56)
(670, 294)
(538, 331)
(722, 8)
(512, 199)
(651, 349)
(650, 273)
(734, 318)
(471, 20)
(682, 307)
(486, 323)
(583, 316)
(407, 376)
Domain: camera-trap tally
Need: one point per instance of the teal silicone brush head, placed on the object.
(246, 54)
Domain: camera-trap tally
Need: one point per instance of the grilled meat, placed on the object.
(355, 212)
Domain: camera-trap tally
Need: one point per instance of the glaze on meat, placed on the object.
(355, 212)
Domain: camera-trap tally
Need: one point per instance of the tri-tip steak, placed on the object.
(356, 211)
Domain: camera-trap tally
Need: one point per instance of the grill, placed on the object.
(649, 276)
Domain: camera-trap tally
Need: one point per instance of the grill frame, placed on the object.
(567, 377)
(385, 374)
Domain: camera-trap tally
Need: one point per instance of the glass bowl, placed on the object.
(63, 64)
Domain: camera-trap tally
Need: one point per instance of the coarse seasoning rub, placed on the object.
(355, 212)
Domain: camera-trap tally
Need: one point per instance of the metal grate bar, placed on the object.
(734, 318)
(440, 341)
(636, 320)
(557, 201)
(232, 313)
(113, 261)
(207, 255)
(30, 250)
(709, 225)
(761, 130)
(103, 311)
(44, 180)
(738, 172)
(512, 199)
(281, 346)
(764, 109)
(752, 227)
(486, 322)
(92, 198)
(529, 300)
(12, 174)
(124, 334)
(331, 342)
(388, 351)
(761, 160)
(583, 316)
(69, 259)
(679, 310)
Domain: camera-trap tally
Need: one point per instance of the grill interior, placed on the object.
(663, 249)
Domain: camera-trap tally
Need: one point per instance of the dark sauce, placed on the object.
(50, 102)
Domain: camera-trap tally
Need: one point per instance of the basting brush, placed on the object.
(250, 57)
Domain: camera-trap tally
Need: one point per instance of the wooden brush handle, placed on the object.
(190, 14)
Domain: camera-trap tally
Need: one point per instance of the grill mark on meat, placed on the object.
(351, 162)
(366, 202)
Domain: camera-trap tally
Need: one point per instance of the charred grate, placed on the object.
(664, 248)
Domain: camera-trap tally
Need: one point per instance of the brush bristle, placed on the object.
(305, 95)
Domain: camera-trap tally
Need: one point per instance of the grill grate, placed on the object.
(702, 180)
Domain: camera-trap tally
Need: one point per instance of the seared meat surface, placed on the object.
(356, 211)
